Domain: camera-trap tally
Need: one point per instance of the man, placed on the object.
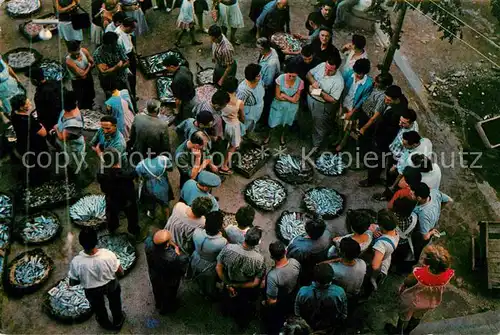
(344, 7)
(244, 220)
(241, 268)
(327, 19)
(96, 270)
(322, 304)
(411, 176)
(191, 157)
(387, 129)
(281, 286)
(148, 131)
(111, 60)
(349, 272)
(108, 137)
(118, 18)
(166, 267)
(310, 249)
(431, 172)
(270, 69)
(219, 101)
(326, 78)
(119, 189)
(413, 144)
(256, 8)
(204, 120)
(251, 92)
(222, 56)
(124, 32)
(274, 18)
(193, 189)
(182, 87)
(47, 98)
(184, 221)
(304, 63)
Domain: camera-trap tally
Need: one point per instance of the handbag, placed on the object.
(80, 19)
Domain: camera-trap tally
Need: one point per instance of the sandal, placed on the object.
(267, 140)
(226, 172)
(380, 197)
(282, 142)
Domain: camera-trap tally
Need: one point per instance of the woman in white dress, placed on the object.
(229, 16)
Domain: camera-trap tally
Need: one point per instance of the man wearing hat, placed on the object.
(193, 189)
(203, 122)
(166, 266)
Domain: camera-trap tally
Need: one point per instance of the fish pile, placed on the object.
(91, 119)
(266, 194)
(325, 202)
(287, 42)
(52, 70)
(205, 77)
(89, 210)
(29, 270)
(291, 225)
(205, 92)
(330, 165)
(292, 169)
(121, 246)
(22, 7)
(32, 29)
(229, 219)
(251, 158)
(68, 301)
(5, 207)
(51, 192)
(40, 228)
(164, 89)
(154, 64)
(21, 59)
(4, 235)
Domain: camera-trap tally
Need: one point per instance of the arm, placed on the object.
(42, 132)
(67, 8)
(104, 69)
(250, 284)
(89, 57)
(120, 272)
(12, 73)
(277, 93)
(219, 268)
(377, 260)
(76, 70)
(328, 98)
(295, 98)
(226, 73)
(241, 112)
(311, 80)
(370, 122)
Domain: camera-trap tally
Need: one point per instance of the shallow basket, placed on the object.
(37, 55)
(151, 66)
(204, 75)
(8, 217)
(164, 90)
(265, 209)
(18, 289)
(325, 216)
(102, 244)
(50, 62)
(22, 223)
(36, 38)
(303, 217)
(23, 15)
(303, 177)
(93, 222)
(50, 202)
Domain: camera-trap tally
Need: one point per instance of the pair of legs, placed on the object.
(183, 32)
(282, 136)
(113, 209)
(165, 295)
(232, 36)
(112, 291)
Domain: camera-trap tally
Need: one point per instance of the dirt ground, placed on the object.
(465, 296)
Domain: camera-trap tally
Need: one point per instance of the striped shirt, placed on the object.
(424, 148)
(240, 264)
(223, 52)
(374, 103)
(428, 213)
(396, 146)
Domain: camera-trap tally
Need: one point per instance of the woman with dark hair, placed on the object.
(422, 290)
(208, 243)
(79, 63)
(323, 46)
(65, 9)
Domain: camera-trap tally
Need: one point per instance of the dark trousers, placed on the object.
(418, 242)
(113, 209)
(375, 167)
(165, 294)
(242, 306)
(132, 78)
(95, 296)
(268, 99)
(273, 316)
(84, 90)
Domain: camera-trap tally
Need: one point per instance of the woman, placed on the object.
(322, 45)
(207, 243)
(69, 132)
(360, 223)
(422, 291)
(229, 16)
(285, 105)
(9, 86)
(96, 29)
(31, 137)
(133, 9)
(79, 63)
(234, 117)
(407, 221)
(110, 7)
(120, 106)
(251, 92)
(154, 173)
(64, 10)
(354, 51)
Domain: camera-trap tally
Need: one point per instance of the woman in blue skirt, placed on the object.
(286, 101)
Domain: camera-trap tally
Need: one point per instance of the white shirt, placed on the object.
(110, 27)
(349, 98)
(94, 270)
(331, 85)
(432, 178)
(125, 40)
(424, 148)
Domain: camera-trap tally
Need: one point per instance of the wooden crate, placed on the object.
(490, 242)
(488, 133)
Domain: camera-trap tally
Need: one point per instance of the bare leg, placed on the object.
(227, 160)
(179, 37)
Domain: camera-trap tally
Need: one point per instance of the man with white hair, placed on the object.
(274, 18)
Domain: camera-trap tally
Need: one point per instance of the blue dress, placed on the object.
(122, 109)
(154, 173)
(9, 86)
(283, 112)
(254, 102)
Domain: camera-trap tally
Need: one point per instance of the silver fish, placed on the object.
(251, 158)
(324, 201)
(205, 76)
(165, 93)
(4, 235)
(21, 59)
(89, 210)
(22, 7)
(266, 193)
(40, 228)
(52, 70)
(291, 225)
(330, 165)
(121, 246)
(29, 269)
(68, 301)
(91, 119)
(5, 207)
(229, 219)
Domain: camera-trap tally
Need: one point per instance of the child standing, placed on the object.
(185, 22)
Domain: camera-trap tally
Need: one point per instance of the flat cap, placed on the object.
(208, 179)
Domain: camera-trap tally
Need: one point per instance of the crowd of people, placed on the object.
(318, 278)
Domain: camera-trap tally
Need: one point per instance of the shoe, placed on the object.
(105, 323)
(205, 30)
(169, 10)
(196, 43)
(119, 325)
(155, 7)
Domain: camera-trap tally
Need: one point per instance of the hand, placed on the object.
(214, 168)
(362, 131)
(205, 163)
(377, 233)
(337, 239)
(393, 168)
(348, 115)
(315, 84)
(177, 250)
(232, 291)
(220, 82)
(120, 64)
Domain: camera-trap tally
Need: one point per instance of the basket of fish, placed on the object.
(31, 30)
(287, 42)
(123, 249)
(6, 207)
(28, 272)
(293, 170)
(91, 119)
(204, 75)
(48, 195)
(265, 194)
(21, 59)
(229, 219)
(205, 92)
(250, 159)
(89, 211)
(23, 8)
(39, 228)
(291, 225)
(330, 164)
(52, 70)
(152, 66)
(5, 231)
(324, 202)
(66, 303)
(164, 90)
(3, 260)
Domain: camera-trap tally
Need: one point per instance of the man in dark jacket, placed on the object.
(118, 186)
(47, 98)
(182, 87)
(166, 266)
